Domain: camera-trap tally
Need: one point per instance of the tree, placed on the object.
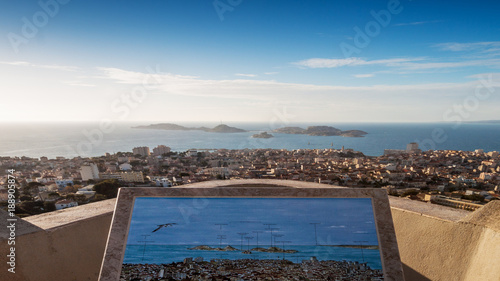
(409, 192)
(49, 206)
(98, 197)
(31, 188)
(26, 198)
(70, 189)
(31, 207)
(81, 199)
(108, 188)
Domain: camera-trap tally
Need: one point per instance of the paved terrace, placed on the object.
(435, 242)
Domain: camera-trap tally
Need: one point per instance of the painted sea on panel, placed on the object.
(168, 230)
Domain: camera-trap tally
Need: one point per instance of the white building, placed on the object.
(160, 150)
(163, 182)
(141, 150)
(125, 167)
(63, 204)
(89, 172)
(61, 183)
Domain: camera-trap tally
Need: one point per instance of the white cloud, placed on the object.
(333, 63)
(364, 75)
(80, 84)
(245, 75)
(328, 63)
(266, 89)
(417, 23)
(400, 63)
(27, 64)
(459, 47)
(441, 65)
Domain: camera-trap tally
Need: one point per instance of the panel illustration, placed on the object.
(252, 238)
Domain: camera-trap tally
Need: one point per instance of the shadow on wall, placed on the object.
(411, 274)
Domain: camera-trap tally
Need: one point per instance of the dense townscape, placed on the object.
(463, 179)
(249, 269)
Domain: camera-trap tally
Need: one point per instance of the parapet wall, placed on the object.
(461, 248)
(435, 242)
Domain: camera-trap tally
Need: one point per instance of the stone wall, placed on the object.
(435, 242)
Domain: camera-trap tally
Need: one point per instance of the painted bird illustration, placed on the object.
(160, 226)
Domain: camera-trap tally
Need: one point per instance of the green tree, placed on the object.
(31, 188)
(409, 192)
(49, 206)
(108, 188)
(98, 197)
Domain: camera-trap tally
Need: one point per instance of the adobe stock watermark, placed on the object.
(363, 37)
(457, 113)
(11, 220)
(122, 106)
(223, 6)
(31, 26)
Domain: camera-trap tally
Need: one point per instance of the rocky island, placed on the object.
(263, 135)
(208, 248)
(222, 128)
(320, 131)
(230, 248)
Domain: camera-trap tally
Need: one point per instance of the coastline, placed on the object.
(63, 140)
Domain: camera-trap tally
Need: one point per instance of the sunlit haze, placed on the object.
(249, 60)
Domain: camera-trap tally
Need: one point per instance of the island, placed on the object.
(208, 248)
(263, 135)
(222, 128)
(230, 248)
(321, 131)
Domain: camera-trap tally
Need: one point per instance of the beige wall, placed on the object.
(444, 250)
(69, 244)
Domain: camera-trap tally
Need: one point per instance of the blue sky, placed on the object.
(242, 60)
(341, 221)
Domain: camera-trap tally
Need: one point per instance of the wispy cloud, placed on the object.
(263, 90)
(460, 47)
(364, 75)
(245, 75)
(417, 22)
(442, 65)
(79, 84)
(27, 64)
(408, 64)
(354, 61)
(271, 73)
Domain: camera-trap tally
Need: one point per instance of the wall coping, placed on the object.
(64, 217)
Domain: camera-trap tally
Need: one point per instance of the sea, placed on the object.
(94, 139)
(164, 254)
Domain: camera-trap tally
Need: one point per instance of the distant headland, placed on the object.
(222, 128)
(230, 249)
(321, 131)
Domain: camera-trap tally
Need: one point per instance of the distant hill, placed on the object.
(174, 127)
(224, 129)
(263, 135)
(320, 131)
